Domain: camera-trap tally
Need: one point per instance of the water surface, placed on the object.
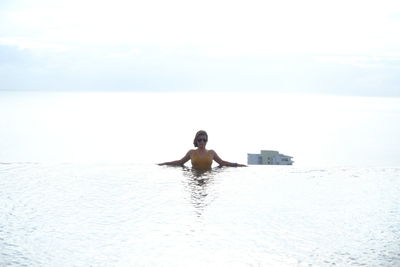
(147, 215)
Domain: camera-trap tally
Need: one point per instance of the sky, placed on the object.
(314, 47)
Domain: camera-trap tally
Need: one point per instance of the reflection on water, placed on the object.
(199, 184)
(140, 215)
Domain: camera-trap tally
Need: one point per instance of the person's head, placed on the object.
(201, 137)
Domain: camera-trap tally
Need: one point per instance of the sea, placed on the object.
(80, 184)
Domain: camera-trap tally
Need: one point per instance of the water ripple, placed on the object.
(141, 215)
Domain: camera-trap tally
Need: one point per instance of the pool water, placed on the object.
(147, 215)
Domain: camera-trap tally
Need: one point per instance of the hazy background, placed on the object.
(157, 127)
(341, 47)
(317, 80)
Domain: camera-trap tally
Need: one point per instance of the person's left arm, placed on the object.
(225, 163)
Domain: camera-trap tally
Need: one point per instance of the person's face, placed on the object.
(201, 141)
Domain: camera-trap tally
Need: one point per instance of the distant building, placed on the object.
(269, 157)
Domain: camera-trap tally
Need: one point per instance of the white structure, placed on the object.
(269, 157)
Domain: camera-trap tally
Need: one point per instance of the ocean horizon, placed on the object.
(142, 127)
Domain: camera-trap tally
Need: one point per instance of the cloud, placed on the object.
(259, 27)
(12, 55)
(336, 47)
(34, 44)
(161, 69)
(364, 61)
(129, 53)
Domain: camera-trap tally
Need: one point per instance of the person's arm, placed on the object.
(225, 163)
(178, 162)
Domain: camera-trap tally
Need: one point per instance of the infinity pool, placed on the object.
(147, 215)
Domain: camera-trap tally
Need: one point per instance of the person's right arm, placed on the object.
(178, 162)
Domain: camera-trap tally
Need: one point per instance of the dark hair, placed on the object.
(201, 132)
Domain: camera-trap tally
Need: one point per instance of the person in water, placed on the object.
(202, 158)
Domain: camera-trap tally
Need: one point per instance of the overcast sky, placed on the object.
(329, 47)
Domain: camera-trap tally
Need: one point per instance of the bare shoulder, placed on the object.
(212, 152)
(215, 155)
(187, 156)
